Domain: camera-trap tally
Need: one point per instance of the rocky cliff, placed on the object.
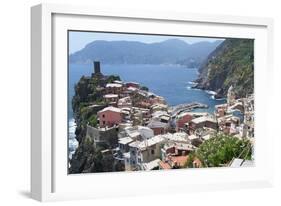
(231, 63)
(87, 158)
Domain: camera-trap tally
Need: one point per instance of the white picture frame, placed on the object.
(49, 178)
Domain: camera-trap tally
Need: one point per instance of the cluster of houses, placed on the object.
(139, 130)
(236, 117)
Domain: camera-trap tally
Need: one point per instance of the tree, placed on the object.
(144, 88)
(220, 150)
(113, 78)
(93, 120)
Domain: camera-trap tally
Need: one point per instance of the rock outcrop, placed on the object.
(87, 157)
(231, 63)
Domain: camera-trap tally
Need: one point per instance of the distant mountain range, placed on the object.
(172, 51)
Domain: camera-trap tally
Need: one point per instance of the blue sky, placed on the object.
(78, 40)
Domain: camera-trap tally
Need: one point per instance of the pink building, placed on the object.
(110, 116)
(182, 119)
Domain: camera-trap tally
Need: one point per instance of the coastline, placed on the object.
(73, 143)
(123, 116)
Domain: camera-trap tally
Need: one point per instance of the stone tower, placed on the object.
(97, 72)
(97, 67)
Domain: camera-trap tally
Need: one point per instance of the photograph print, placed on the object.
(139, 102)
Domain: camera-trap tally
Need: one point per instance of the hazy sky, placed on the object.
(78, 40)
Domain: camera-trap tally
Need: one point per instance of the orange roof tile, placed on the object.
(164, 165)
(179, 160)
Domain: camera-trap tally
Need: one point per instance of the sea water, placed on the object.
(173, 82)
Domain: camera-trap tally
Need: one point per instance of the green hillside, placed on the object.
(232, 63)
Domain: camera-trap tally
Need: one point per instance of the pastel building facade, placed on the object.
(182, 120)
(125, 102)
(111, 98)
(145, 151)
(200, 122)
(110, 116)
(158, 127)
(114, 88)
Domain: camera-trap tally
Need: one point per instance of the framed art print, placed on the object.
(135, 102)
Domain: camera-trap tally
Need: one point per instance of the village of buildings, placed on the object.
(142, 132)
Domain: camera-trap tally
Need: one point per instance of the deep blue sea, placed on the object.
(170, 81)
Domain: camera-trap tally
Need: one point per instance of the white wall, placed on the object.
(15, 95)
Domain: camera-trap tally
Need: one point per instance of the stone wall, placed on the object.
(106, 137)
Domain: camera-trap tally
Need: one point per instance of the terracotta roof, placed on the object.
(164, 165)
(180, 160)
(197, 162)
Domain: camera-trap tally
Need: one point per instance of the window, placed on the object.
(103, 116)
(103, 122)
(152, 151)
